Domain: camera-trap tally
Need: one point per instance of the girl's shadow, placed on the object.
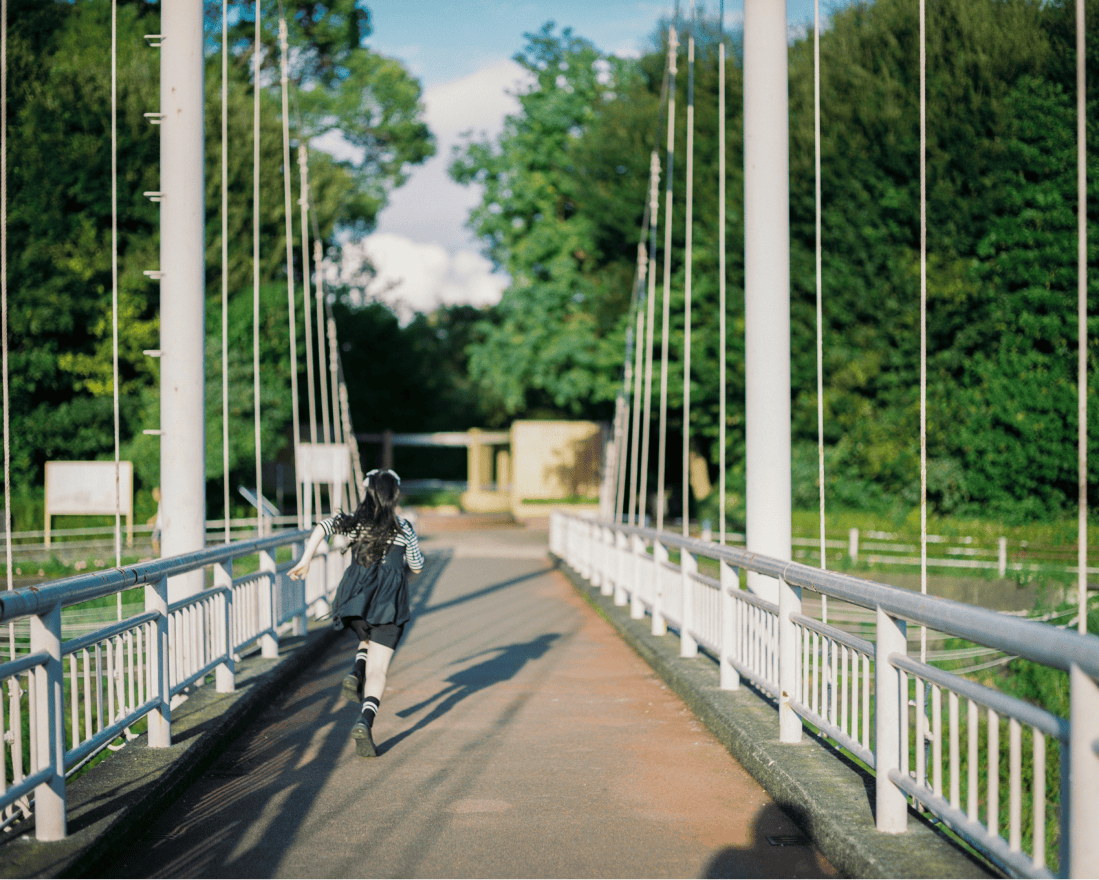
(504, 664)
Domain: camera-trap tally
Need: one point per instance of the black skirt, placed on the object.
(378, 593)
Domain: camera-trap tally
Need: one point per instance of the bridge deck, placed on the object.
(519, 737)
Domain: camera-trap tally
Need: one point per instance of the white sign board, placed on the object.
(90, 487)
(83, 487)
(323, 463)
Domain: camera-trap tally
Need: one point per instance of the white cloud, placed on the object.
(419, 276)
(423, 253)
(431, 207)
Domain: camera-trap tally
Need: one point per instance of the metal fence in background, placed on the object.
(67, 700)
(867, 694)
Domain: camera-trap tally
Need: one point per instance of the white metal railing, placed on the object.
(870, 697)
(68, 700)
(949, 552)
(32, 543)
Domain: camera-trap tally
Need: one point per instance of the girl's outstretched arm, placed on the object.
(299, 570)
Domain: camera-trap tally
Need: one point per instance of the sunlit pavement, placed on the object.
(519, 737)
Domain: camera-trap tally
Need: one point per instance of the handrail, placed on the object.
(94, 585)
(1047, 645)
(138, 663)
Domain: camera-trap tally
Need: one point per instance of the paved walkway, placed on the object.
(519, 737)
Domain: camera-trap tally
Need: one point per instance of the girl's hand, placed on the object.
(299, 571)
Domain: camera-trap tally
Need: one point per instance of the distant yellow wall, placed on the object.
(551, 460)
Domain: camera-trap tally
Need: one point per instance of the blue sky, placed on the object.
(461, 52)
(441, 41)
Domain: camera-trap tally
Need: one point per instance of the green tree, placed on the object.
(1018, 383)
(60, 219)
(554, 347)
(59, 230)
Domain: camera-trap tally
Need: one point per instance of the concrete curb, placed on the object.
(111, 804)
(828, 795)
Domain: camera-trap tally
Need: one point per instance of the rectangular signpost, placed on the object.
(86, 488)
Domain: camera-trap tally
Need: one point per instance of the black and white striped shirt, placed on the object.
(405, 538)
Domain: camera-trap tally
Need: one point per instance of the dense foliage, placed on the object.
(565, 189)
(59, 215)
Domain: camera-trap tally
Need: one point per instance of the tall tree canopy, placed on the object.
(1001, 276)
(60, 211)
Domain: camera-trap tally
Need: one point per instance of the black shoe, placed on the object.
(353, 687)
(364, 739)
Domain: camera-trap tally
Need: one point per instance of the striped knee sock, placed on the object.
(370, 710)
(360, 663)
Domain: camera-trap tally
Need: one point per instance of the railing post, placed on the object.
(891, 805)
(659, 625)
(789, 602)
(1080, 847)
(637, 556)
(621, 563)
(225, 675)
(728, 678)
(637, 604)
(160, 720)
(578, 547)
(688, 644)
(853, 545)
(49, 797)
(1001, 557)
(269, 641)
(595, 553)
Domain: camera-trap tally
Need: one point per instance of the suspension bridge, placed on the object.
(515, 709)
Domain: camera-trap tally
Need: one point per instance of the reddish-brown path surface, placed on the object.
(519, 737)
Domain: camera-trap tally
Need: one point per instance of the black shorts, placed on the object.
(388, 634)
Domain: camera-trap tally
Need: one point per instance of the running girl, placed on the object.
(372, 598)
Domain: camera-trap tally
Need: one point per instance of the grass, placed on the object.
(433, 498)
(1062, 533)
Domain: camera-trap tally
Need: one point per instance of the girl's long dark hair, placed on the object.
(375, 517)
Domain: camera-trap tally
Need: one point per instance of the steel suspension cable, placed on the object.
(1082, 320)
(114, 295)
(4, 308)
(621, 455)
(923, 317)
(639, 469)
(634, 510)
(322, 349)
(721, 266)
(687, 246)
(643, 424)
(284, 80)
(257, 47)
(15, 691)
(673, 45)
(650, 318)
(323, 354)
(303, 202)
(341, 431)
(329, 356)
(225, 262)
(631, 376)
(820, 295)
(326, 355)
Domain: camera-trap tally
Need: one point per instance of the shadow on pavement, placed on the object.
(774, 851)
(503, 664)
(269, 777)
(423, 608)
